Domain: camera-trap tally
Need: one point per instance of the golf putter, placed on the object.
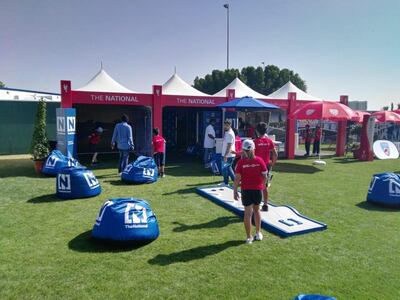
(270, 176)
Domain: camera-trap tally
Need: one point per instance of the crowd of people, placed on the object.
(122, 140)
(249, 165)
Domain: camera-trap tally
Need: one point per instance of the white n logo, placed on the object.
(394, 188)
(71, 124)
(72, 162)
(60, 124)
(128, 168)
(148, 172)
(91, 180)
(64, 183)
(51, 162)
(135, 214)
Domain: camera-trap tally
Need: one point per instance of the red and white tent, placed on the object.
(175, 85)
(289, 87)
(102, 82)
(241, 90)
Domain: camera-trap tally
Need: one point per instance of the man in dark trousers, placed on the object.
(122, 138)
(317, 140)
(307, 139)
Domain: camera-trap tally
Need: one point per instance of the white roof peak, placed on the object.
(241, 90)
(102, 82)
(289, 87)
(175, 85)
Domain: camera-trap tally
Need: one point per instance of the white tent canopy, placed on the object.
(241, 90)
(177, 86)
(102, 82)
(289, 87)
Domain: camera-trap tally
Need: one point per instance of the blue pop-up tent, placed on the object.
(247, 103)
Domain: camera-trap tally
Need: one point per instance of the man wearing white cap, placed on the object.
(251, 173)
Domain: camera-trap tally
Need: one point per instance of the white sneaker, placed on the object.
(249, 241)
(259, 236)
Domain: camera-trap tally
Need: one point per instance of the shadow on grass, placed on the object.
(118, 182)
(190, 190)
(107, 175)
(84, 242)
(295, 168)
(217, 223)
(46, 199)
(192, 254)
(374, 207)
(346, 160)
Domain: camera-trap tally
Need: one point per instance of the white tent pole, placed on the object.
(320, 141)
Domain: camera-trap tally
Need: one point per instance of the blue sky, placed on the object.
(340, 47)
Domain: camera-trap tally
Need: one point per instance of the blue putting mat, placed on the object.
(282, 220)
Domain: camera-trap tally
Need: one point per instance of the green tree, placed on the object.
(254, 77)
(40, 144)
(264, 81)
(215, 81)
(2, 84)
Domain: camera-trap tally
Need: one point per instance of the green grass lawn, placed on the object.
(46, 250)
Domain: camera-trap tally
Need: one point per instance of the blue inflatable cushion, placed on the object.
(126, 220)
(56, 161)
(77, 182)
(384, 189)
(313, 297)
(142, 170)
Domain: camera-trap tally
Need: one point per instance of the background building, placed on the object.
(17, 115)
(359, 105)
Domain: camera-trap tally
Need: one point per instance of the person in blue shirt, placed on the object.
(122, 138)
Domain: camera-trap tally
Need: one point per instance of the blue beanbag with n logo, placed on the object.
(313, 297)
(56, 161)
(127, 220)
(77, 182)
(142, 170)
(384, 189)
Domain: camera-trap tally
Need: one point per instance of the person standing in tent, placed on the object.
(228, 152)
(265, 149)
(122, 139)
(250, 130)
(158, 151)
(241, 127)
(94, 140)
(317, 140)
(307, 139)
(250, 174)
(209, 142)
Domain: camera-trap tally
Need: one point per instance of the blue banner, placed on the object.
(66, 126)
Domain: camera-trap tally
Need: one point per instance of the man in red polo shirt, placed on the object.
(250, 174)
(264, 149)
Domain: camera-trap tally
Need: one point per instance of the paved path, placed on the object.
(15, 156)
